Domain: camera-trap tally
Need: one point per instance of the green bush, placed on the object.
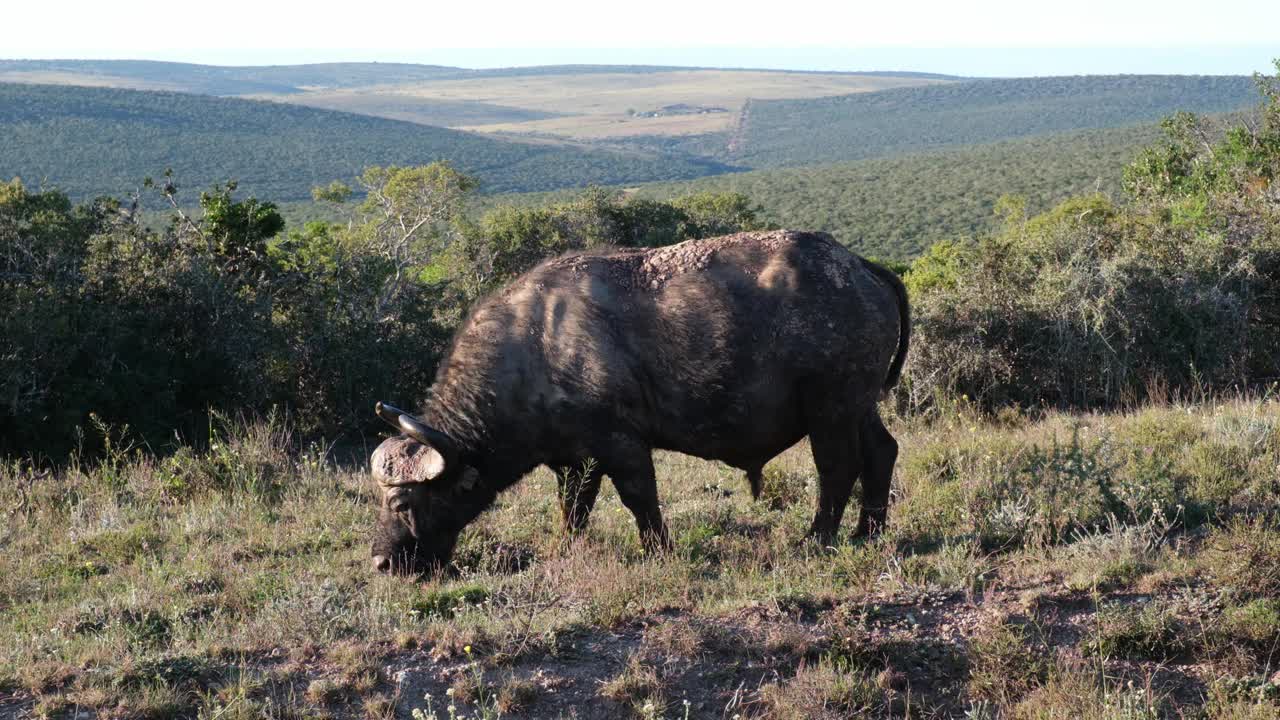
(1100, 304)
(115, 333)
(1151, 631)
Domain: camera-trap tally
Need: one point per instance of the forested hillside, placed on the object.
(90, 141)
(904, 120)
(895, 208)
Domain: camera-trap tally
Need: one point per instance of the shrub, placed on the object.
(638, 685)
(1256, 623)
(1244, 558)
(154, 328)
(1074, 691)
(1097, 304)
(1005, 663)
(1151, 632)
(826, 689)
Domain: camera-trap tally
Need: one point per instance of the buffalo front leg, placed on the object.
(578, 488)
(879, 453)
(629, 464)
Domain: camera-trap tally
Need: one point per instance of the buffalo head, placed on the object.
(424, 488)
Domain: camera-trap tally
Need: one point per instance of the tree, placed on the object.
(407, 211)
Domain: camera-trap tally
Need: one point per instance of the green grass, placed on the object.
(1032, 570)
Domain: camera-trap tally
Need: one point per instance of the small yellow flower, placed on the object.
(467, 649)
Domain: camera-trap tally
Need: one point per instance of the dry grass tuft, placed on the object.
(637, 686)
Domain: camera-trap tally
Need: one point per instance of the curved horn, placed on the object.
(414, 428)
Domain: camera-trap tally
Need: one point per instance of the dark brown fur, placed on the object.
(730, 348)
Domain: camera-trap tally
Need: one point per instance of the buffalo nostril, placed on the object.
(381, 563)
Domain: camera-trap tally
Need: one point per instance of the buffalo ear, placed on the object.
(402, 461)
(439, 452)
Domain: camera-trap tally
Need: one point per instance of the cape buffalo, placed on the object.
(731, 348)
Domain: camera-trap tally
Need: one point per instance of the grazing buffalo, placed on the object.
(731, 348)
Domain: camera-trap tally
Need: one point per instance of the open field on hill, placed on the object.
(602, 104)
(1100, 566)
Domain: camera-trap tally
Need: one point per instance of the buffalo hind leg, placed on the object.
(879, 453)
(578, 490)
(755, 478)
(629, 464)
(834, 441)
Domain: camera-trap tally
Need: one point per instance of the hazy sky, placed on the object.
(979, 37)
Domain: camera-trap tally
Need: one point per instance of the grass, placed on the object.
(1051, 567)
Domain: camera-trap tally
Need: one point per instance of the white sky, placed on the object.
(255, 31)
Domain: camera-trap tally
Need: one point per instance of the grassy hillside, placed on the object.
(89, 141)
(905, 120)
(1089, 566)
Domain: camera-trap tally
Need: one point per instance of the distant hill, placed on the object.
(287, 79)
(216, 79)
(778, 133)
(579, 102)
(90, 141)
